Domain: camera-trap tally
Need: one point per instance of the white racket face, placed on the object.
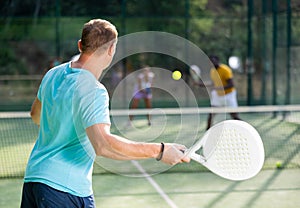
(195, 73)
(232, 149)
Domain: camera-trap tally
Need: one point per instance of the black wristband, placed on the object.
(161, 152)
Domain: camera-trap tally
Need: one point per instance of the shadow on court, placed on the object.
(269, 189)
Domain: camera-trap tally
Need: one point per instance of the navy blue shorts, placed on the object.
(39, 195)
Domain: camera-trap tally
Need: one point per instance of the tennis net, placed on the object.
(279, 127)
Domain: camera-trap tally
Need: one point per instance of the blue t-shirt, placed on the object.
(72, 100)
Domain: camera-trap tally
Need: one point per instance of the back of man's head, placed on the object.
(97, 34)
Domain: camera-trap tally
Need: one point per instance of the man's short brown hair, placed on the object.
(96, 33)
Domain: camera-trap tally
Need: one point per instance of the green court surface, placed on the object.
(184, 185)
(269, 189)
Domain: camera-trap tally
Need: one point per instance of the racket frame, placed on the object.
(255, 162)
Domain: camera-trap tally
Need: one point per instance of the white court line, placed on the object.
(154, 184)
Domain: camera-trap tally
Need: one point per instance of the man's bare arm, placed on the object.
(116, 147)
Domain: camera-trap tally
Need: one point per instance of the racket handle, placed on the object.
(198, 158)
(194, 156)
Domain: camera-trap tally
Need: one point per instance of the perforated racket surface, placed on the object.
(231, 149)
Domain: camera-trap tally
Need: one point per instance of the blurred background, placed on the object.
(258, 39)
(262, 36)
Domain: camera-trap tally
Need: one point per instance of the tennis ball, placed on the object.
(279, 164)
(176, 75)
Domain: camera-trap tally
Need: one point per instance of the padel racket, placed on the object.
(195, 73)
(232, 149)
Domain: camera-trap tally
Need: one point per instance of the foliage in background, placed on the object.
(217, 27)
(33, 33)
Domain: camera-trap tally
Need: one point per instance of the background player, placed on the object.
(142, 90)
(223, 93)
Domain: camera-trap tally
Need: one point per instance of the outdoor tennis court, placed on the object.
(258, 40)
(184, 185)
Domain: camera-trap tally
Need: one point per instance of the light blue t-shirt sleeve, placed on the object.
(39, 93)
(91, 104)
(96, 108)
(45, 81)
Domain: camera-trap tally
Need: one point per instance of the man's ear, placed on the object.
(79, 45)
(112, 49)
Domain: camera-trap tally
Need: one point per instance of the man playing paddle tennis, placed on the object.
(71, 109)
(142, 90)
(224, 92)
